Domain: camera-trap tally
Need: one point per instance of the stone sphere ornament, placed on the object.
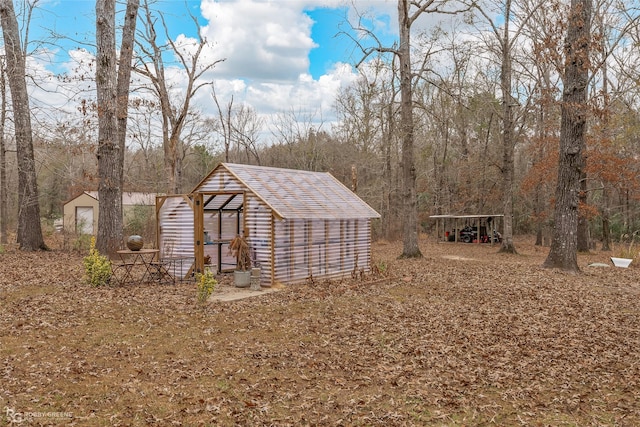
(135, 242)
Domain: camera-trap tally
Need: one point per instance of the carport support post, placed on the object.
(457, 231)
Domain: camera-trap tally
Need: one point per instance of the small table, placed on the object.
(135, 267)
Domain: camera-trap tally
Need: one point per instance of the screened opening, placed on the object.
(222, 221)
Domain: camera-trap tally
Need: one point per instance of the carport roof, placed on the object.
(465, 216)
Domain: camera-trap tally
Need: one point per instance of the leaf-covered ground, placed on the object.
(463, 336)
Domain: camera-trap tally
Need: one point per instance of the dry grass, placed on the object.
(464, 336)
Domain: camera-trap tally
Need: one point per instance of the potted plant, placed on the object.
(239, 248)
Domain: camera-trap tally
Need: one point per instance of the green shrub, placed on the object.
(206, 284)
(97, 267)
(81, 242)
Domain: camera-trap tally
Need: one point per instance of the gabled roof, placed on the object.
(298, 194)
(129, 198)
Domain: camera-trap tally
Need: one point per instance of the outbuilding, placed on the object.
(299, 225)
(476, 228)
(80, 214)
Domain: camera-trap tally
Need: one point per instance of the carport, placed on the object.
(451, 224)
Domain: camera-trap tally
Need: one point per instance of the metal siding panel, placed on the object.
(176, 221)
(258, 217)
(332, 249)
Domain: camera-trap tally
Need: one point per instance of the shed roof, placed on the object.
(129, 198)
(298, 194)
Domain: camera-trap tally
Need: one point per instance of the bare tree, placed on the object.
(507, 133)
(614, 26)
(507, 38)
(240, 129)
(563, 252)
(408, 12)
(296, 132)
(109, 156)
(246, 130)
(367, 113)
(151, 65)
(124, 75)
(112, 88)
(224, 122)
(4, 190)
(410, 247)
(29, 234)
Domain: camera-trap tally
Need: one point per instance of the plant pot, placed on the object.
(255, 279)
(621, 262)
(242, 278)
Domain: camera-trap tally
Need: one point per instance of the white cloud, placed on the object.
(265, 41)
(266, 46)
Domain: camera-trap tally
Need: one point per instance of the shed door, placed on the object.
(84, 219)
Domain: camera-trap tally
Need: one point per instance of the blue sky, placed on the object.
(280, 55)
(75, 19)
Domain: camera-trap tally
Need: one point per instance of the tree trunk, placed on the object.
(606, 231)
(583, 222)
(109, 157)
(606, 135)
(29, 234)
(410, 204)
(507, 135)
(538, 155)
(124, 77)
(4, 190)
(389, 173)
(563, 252)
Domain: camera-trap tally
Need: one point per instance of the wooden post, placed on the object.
(273, 249)
(198, 232)
(309, 246)
(292, 248)
(326, 246)
(159, 202)
(341, 244)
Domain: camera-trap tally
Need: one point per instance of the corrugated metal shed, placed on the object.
(299, 224)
